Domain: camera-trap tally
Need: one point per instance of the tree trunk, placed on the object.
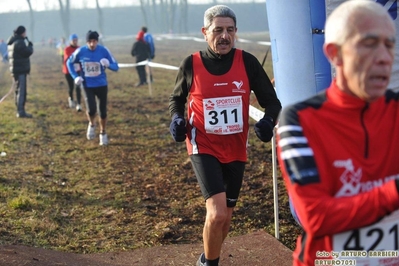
(32, 22)
(100, 21)
(172, 14)
(65, 18)
(164, 21)
(183, 16)
(155, 13)
(143, 11)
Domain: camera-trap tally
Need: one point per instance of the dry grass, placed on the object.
(63, 192)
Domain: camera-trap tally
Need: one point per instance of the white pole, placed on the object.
(148, 73)
(275, 190)
(257, 114)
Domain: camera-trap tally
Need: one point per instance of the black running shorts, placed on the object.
(215, 177)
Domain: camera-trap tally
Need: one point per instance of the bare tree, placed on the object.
(100, 18)
(183, 16)
(46, 5)
(154, 12)
(143, 11)
(163, 14)
(85, 4)
(171, 14)
(32, 21)
(168, 17)
(164, 22)
(65, 16)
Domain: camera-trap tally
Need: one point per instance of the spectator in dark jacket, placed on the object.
(19, 51)
(141, 50)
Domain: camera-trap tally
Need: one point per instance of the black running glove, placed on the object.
(178, 128)
(264, 129)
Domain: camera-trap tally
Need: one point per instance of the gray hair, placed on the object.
(218, 11)
(340, 24)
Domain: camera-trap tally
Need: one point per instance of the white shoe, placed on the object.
(71, 103)
(91, 132)
(78, 108)
(103, 139)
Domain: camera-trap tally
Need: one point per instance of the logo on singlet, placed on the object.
(209, 105)
(238, 85)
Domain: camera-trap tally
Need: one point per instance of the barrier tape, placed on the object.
(149, 63)
(9, 92)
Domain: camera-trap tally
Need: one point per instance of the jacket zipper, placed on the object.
(366, 134)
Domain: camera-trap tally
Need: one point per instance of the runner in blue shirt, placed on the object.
(93, 59)
(150, 41)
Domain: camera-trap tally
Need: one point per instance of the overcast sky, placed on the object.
(40, 5)
(7, 6)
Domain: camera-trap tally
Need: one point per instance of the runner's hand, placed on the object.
(78, 80)
(104, 62)
(178, 128)
(264, 129)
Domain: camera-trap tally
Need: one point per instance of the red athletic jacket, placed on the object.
(339, 157)
(67, 52)
(218, 112)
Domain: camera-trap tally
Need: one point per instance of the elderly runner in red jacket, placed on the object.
(339, 150)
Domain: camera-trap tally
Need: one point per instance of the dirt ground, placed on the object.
(254, 249)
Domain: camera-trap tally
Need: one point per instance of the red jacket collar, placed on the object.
(345, 100)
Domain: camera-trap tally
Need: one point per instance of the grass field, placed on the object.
(60, 191)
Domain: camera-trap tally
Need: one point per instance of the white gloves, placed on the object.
(104, 62)
(78, 80)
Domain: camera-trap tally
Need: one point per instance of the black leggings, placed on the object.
(96, 97)
(71, 87)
